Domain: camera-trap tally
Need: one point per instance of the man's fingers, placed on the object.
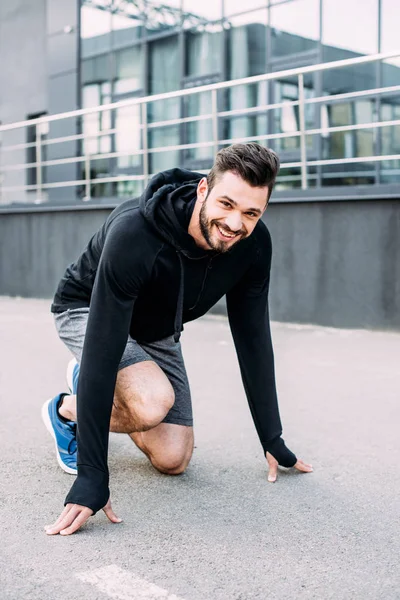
(64, 522)
(60, 518)
(302, 466)
(67, 519)
(81, 518)
(273, 468)
(272, 475)
(111, 514)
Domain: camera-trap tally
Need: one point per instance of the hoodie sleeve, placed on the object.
(121, 273)
(247, 305)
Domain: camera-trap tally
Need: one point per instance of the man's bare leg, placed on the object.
(143, 397)
(169, 447)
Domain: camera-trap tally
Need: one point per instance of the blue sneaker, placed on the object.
(64, 435)
(72, 375)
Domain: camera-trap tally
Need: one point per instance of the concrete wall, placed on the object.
(23, 80)
(39, 73)
(334, 263)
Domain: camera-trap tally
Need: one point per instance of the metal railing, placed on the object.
(215, 116)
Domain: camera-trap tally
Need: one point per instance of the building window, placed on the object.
(349, 27)
(198, 14)
(233, 7)
(164, 76)
(246, 56)
(203, 51)
(294, 27)
(129, 76)
(287, 118)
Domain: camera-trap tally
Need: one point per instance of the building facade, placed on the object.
(84, 54)
(336, 232)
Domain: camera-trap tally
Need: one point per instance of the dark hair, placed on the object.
(254, 163)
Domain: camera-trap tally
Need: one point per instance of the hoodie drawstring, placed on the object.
(179, 307)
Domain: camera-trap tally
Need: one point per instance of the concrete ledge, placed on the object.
(334, 263)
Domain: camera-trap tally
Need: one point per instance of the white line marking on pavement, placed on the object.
(124, 585)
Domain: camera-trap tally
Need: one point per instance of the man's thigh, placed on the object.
(162, 363)
(167, 354)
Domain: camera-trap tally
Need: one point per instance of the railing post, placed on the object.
(145, 143)
(39, 179)
(88, 191)
(303, 146)
(214, 112)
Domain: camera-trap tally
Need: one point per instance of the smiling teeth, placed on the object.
(230, 235)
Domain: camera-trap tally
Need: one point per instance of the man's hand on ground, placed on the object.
(273, 467)
(74, 516)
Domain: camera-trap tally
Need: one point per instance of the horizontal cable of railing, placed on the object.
(300, 133)
(197, 145)
(122, 178)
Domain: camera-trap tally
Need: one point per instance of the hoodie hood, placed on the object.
(167, 205)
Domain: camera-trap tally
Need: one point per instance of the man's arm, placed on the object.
(247, 305)
(121, 272)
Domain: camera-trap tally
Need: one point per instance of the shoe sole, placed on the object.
(70, 374)
(47, 423)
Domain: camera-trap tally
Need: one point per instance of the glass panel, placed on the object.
(232, 7)
(201, 13)
(246, 56)
(247, 42)
(349, 174)
(95, 29)
(290, 178)
(199, 131)
(128, 136)
(93, 124)
(295, 27)
(95, 21)
(339, 144)
(348, 144)
(96, 69)
(390, 106)
(287, 119)
(164, 77)
(129, 70)
(349, 79)
(390, 27)
(92, 96)
(129, 189)
(161, 16)
(127, 24)
(350, 29)
(171, 3)
(390, 139)
(247, 96)
(204, 52)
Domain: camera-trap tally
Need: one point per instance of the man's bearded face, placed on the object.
(230, 211)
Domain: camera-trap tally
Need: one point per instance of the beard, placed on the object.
(206, 227)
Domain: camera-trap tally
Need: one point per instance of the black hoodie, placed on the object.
(143, 274)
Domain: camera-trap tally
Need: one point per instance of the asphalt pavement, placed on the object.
(220, 531)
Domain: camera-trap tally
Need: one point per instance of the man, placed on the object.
(148, 270)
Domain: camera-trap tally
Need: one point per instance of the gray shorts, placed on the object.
(71, 327)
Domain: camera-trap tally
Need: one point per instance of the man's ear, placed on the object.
(202, 190)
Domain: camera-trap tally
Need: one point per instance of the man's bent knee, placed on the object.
(170, 468)
(172, 462)
(141, 412)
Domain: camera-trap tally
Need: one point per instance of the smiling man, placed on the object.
(121, 307)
